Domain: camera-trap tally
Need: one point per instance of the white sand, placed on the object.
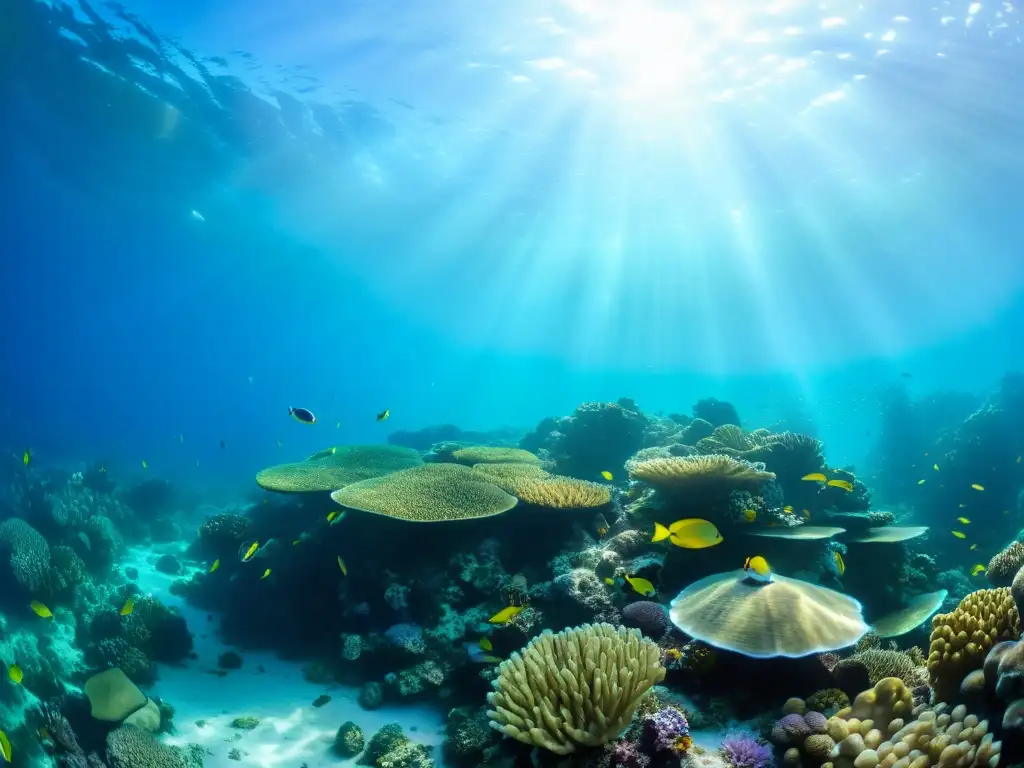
(292, 732)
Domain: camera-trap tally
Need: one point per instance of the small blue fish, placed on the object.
(478, 655)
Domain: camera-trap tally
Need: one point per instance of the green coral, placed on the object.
(348, 464)
(390, 748)
(28, 553)
(827, 700)
(245, 723)
(349, 740)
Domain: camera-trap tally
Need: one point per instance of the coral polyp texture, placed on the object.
(1004, 564)
(679, 473)
(575, 688)
(432, 493)
(347, 464)
(785, 617)
(960, 640)
(492, 454)
(561, 493)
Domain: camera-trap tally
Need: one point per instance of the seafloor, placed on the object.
(612, 588)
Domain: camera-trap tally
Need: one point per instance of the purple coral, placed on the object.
(667, 730)
(649, 617)
(625, 754)
(743, 749)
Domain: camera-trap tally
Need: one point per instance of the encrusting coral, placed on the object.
(577, 688)
(960, 640)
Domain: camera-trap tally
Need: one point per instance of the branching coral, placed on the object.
(577, 688)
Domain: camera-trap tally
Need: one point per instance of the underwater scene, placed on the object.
(549, 384)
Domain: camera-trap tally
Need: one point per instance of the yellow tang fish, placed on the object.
(757, 569)
(144, 464)
(815, 477)
(750, 515)
(935, 467)
(215, 566)
(40, 610)
(607, 475)
(960, 534)
(609, 581)
(265, 574)
(250, 552)
(332, 515)
(485, 644)
(660, 533)
(694, 533)
(344, 568)
(641, 585)
(5, 747)
(128, 607)
(15, 674)
(840, 565)
(846, 485)
(974, 547)
(505, 615)
(979, 568)
(964, 520)
(920, 482)
(788, 509)
(977, 487)
(27, 457)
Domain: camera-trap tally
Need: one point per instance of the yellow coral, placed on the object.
(561, 492)
(1004, 565)
(688, 472)
(960, 640)
(508, 475)
(493, 454)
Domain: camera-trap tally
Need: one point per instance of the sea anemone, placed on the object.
(743, 749)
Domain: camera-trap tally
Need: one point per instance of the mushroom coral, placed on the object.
(784, 617)
(431, 493)
(346, 465)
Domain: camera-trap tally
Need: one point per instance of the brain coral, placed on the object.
(348, 464)
(712, 471)
(28, 552)
(960, 639)
(1004, 565)
(577, 688)
(427, 494)
(649, 617)
(493, 454)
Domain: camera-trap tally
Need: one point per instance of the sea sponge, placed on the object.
(960, 640)
(558, 492)
(131, 747)
(112, 696)
(348, 464)
(1004, 565)
(785, 617)
(28, 553)
(712, 471)
(577, 688)
(493, 454)
(428, 494)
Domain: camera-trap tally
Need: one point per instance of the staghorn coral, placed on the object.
(960, 640)
(426, 494)
(28, 553)
(703, 472)
(1004, 564)
(493, 454)
(558, 492)
(346, 465)
(577, 688)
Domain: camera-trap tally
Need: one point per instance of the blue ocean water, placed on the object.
(485, 215)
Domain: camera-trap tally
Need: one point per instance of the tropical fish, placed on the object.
(846, 485)
(757, 569)
(5, 747)
(977, 487)
(144, 464)
(694, 533)
(485, 644)
(323, 454)
(332, 515)
(921, 482)
(265, 574)
(807, 514)
(609, 581)
(974, 547)
(660, 532)
(840, 565)
(384, 415)
(788, 509)
(815, 477)
(960, 534)
(215, 566)
(505, 615)
(935, 467)
(338, 425)
(478, 655)
(250, 552)
(27, 457)
(128, 607)
(750, 515)
(344, 568)
(962, 505)
(607, 475)
(964, 520)
(979, 568)
(40, 610)
(14, 672)
(302, 414)
(641, 586)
